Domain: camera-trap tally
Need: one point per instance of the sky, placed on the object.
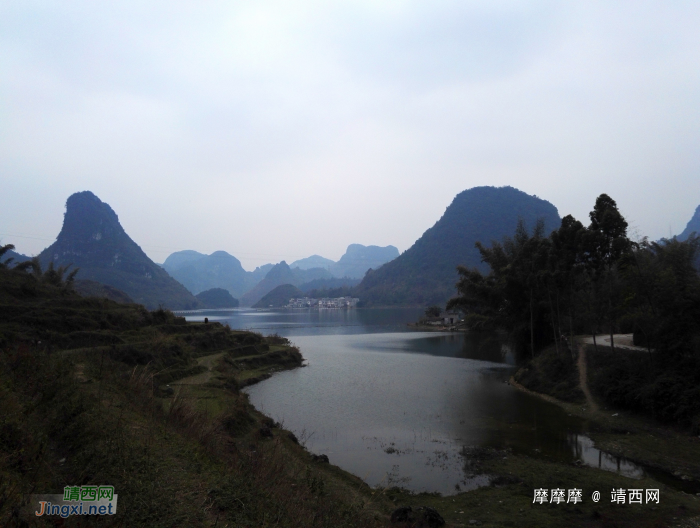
(276, 130)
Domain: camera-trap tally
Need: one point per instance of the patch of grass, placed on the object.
(511, 503)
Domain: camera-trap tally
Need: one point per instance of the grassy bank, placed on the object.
(95, 392)
(552, 372)
(670, 455)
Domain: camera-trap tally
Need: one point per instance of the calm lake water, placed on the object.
(401, 407)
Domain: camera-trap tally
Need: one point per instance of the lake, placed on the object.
(401, 407)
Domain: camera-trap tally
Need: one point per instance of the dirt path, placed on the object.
(622, 341)
(582, 365)
(199, 379)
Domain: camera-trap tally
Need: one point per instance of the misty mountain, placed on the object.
(217, 298)
(426, 273)
(328, 284)
(354, 263)
(260, 272)
(279, 296)
(314, 261)
(199, 272)
(16, 257)
(692, 227)
(181, 258)
(282, 274)
(93, 240)
(358, 259)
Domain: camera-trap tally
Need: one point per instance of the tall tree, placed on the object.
(606, 243)
(511, 295)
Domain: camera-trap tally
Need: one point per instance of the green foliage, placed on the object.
(667, 390)
(662, 295)
(512, 296)
(433, 311)
(592, 279)
(4, 250)
(80, 400)
(554, 374)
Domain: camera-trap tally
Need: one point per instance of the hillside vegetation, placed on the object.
(95, 392)
(93, 240)
(594, 280)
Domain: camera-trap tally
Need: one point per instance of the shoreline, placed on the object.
(639, 439)
(436, 328)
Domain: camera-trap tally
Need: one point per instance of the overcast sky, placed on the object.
(277, 130)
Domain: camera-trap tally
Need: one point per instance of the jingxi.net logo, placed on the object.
(77, 500)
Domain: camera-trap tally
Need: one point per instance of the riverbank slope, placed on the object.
(95, 392)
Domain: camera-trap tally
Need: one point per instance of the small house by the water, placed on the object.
(450, 318)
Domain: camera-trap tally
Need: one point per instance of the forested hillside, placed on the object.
(426, 273)
(93, 240)
(594, 280)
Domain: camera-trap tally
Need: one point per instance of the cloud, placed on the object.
(287, 129)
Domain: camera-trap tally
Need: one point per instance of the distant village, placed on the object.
(323, 304)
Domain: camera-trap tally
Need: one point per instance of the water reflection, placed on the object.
(583, 449)
(312, 322)
(398, 407)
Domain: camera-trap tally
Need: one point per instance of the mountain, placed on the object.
(259, 273)
(327, 284)
(692, 227)
(88, 288)
(217, 298)
(358, 259)
(426, 273)
(199, 272)
(16, 257)
(314, 261)
(279, 274)
(204, 272)
(93, 240)
(279, 296)
(180, 258)
(282, 274)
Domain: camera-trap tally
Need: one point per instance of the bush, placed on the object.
(553, 374)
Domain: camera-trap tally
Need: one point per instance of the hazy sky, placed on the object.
(276, 130)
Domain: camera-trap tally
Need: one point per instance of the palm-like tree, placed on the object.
(4, 249)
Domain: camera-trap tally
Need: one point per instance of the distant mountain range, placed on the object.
(282, 274)
(354, 263)
(93, 240)
(426, 273)
(199, 272)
